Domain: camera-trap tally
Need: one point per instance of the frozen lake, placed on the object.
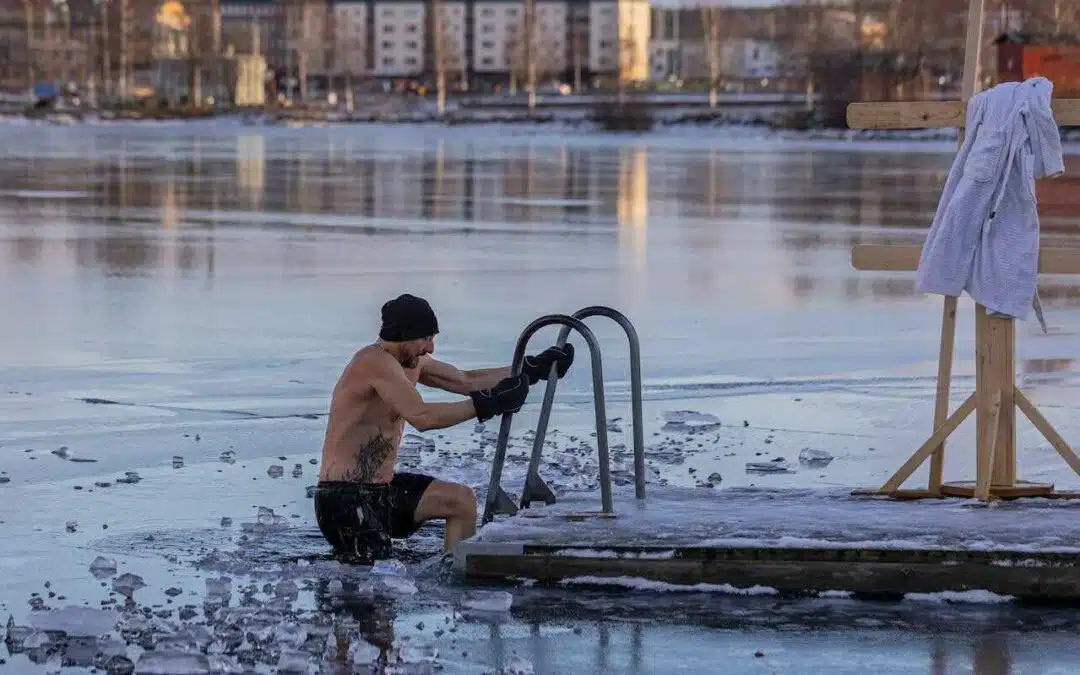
(188, 290)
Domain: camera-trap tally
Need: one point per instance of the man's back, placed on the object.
(363, 431)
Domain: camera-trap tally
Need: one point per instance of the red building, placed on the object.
(1022, 56)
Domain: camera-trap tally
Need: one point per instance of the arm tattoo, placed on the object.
(368, 459)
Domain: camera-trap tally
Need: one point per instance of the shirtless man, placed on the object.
(360, 501)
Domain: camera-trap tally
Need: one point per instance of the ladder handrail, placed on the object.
(635, 394)
(569, 322)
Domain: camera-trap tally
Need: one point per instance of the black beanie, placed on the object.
(407, 317)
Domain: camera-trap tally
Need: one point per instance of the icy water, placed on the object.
(179, 299)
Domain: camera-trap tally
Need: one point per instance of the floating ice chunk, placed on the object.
(412, 445)
(768, 467)
(228, 456)
(218, 588)
(130, 477)
(291, 635)
(363, 653)
(689, 421)
(37, 638)
(397, 585)
(128, 583)
(5, 479)
(293, 662)
(54, 663)
(266, 516)
(518, 666)
(298, 471)
(411, 651)
(220, 664)
(103, 567)
(389, 566)
(488, 601)
(815, 458)
(177, 462)
(71, 526)
(275, 471)
(335, 587)
(286, 589)
(76, 621)
(172, 663)
(16, 634)
(119, 665)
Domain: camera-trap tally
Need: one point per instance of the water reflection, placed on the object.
(688, 216)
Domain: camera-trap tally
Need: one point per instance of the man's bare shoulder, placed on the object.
(370, 362)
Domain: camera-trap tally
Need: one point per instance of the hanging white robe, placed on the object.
(985, 234)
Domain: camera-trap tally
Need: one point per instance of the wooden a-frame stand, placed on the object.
(996, 395)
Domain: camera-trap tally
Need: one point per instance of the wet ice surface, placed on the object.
(801, 518)
(182, 313)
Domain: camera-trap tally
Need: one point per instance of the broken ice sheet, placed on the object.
(518, 666)
(412, 445)
(75, 621)
(814, 458)
(778, 465)
(126, 584)
(689, 421)
(488, 601)
(172, 663)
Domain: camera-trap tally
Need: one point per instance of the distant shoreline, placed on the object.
(745, 131)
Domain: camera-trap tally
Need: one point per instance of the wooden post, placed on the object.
(996, 396)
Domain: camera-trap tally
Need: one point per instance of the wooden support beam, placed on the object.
(1047, 430)
(875, 258)
(935, 114)
(931, 445)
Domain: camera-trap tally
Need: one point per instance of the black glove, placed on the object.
(539, 367)
(505, 397)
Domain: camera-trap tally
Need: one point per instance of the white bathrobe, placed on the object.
(985, 234)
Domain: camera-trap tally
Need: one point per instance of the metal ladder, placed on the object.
(497, 500)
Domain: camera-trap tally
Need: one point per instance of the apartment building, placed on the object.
(250, 26)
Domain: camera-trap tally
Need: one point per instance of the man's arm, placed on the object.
(449, 378)
(394, 387)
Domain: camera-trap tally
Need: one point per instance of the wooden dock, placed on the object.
(792, 541)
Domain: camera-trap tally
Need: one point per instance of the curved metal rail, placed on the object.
(535, 487)
(497, 501)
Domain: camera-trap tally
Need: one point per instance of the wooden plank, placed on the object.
(877, 258)
(801, 571)
(935, 114)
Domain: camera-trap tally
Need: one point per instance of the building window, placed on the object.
(412, 44)
(386, 44)
(487, 61)
(388, 61)
(487, 44)
(411, 28)
(410, 61)
(487, 11)
(487, 28)
(388, 28)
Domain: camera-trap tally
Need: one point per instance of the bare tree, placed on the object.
(710, 21)
(531, 54)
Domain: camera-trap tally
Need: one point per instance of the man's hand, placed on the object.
(538, 367)
(505, 397)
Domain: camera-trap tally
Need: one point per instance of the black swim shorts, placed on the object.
(359, 519)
